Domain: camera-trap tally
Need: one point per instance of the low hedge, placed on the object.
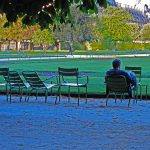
(121, 46)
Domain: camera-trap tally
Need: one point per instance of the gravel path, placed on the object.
(65, 126)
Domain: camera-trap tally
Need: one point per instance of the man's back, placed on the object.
(130, 76)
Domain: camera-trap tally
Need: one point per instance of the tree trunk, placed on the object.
(28, 46)
(42, 47)
(0, 45)
(24, 45)
(58, 45)
(8, 44)
(31, 45)
(19, 45)
(16, 47)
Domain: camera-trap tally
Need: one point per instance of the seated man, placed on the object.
(130, 76)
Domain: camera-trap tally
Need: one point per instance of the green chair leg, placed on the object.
(7, 92)
(21, 93)
(59, 90)
(10, 95)
(86, 95)
(36, 94)
(46, 95)
(56, 98)
(29, 95)
(107, 99)
(78, 95)
(146, 91)
(129, 102)
(115, 98)
(69, 94)
(26, 95)
(140, 92)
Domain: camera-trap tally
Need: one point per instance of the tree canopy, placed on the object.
(47, 11)
(43, 38)
(3, 20)
(146, 32)
(115, 24)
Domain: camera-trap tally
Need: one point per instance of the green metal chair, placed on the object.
(16, 83)
(4, 73)
(70, 77)
(117, 85)
(37, 84)
(138, 73)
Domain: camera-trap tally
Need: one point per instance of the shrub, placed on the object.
(147, 46)
(120, 46)
(78, 46)
(130, 46)
(97, 46)
(87, 45)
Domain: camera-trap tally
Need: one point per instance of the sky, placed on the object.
(133, 2)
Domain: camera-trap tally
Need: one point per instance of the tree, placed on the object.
(115, 25)
(43, 38)
(76, 34)
(28, 33)
(3, 20)
(145, 33)
(96, 28)
(46, 11)
(15, 32)
(134, 31)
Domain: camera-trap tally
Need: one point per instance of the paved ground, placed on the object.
(65, 126)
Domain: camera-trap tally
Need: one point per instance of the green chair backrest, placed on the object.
(14, 79)
(66, 73)
(33, 79)
(116, 83)
(136, 70)
(4, 73)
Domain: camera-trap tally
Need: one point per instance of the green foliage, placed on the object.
(47, 11)
(105, 30)
(29, 31)
(145, 33)
(78, 46)
(108, 43)
(17, 30)
(130, 46)
(115, 24)
(96, 28)
(120, 46)
(134, 31)
(87, 45)
(80, 31)
(103, 45)
(97, 46)
(43, 37)
(147, 46)
(3, 20)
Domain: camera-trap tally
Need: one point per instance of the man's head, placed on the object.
(116, 64)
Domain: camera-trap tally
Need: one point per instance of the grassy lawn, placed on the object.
(99, 66)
